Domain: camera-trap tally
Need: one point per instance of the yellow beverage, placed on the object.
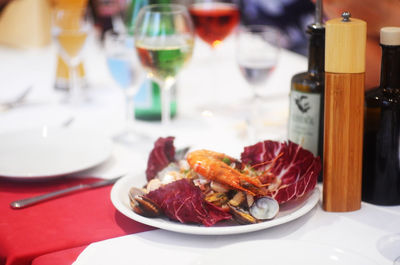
(66, 4)
(63, 71)
(61, 81)
(69, 21)
(72, 42)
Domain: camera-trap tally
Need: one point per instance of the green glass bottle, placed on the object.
(381, 159)
(148, 101)
(306, 94)
(132, 12)
(148, 98)
(306, 113)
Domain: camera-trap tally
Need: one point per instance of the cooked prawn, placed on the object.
(212, 166)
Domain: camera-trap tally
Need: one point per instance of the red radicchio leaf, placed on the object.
(184, 202)
(294, 169)
(162, 154)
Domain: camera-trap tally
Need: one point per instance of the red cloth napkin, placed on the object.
(74, 220)
(62, 257)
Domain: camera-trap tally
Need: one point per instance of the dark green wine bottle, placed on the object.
(381, 161)
(148, 99)
(131, 14)
(305, 126)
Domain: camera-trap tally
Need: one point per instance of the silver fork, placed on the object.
(17, 101)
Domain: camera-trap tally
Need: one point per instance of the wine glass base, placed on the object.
(389, 247)
(79, 99)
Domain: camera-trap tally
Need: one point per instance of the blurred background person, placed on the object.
(377, 14)
(3, 4)
(291, 16)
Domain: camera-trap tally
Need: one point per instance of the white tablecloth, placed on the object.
(211, 79)
(369, 232)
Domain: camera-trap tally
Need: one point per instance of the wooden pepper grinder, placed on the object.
(344, 113)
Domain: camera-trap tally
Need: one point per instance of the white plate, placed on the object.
(282, 252)
(47, 152)
(288, 212)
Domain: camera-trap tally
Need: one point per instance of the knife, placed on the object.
(41, 198)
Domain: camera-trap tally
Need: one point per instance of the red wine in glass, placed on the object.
(214, 21)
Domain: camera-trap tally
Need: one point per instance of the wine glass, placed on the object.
(70, 28)
(257, 52)
(164, 38)
(124, 68)
(214, 20)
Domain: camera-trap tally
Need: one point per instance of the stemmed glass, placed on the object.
(164, 39)
(70, 29)
(257, 51)
(214, 20)
(125, 69)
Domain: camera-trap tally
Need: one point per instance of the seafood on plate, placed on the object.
(207, 187)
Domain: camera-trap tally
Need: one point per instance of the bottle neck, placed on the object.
(390, 69)
(316, 50)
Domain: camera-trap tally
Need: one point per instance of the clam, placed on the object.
(169, 174)
(153, 184)
(264, 208)
(142, 205)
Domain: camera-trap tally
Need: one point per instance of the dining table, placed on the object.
(213, 112)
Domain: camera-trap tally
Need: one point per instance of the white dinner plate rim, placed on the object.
(123, 185)
(248, 248)
(102, 156)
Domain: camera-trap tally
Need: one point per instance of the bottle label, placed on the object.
(304, 120)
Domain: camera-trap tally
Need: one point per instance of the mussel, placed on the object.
(264, 208)
(238, 199)
(217, 198)
(142, 205)
(242, 216)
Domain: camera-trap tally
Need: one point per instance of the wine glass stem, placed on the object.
(129, 110)
(73, 84)
(165, 89)
(254, 116)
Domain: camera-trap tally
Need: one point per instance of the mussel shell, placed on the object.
(142, 205)
(264, 208)
(238, 199)
(217, 198)
(241, 216)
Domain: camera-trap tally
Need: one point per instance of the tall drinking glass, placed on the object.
(164, 38)
(214, 20)
(70, 29)
(124, 68)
